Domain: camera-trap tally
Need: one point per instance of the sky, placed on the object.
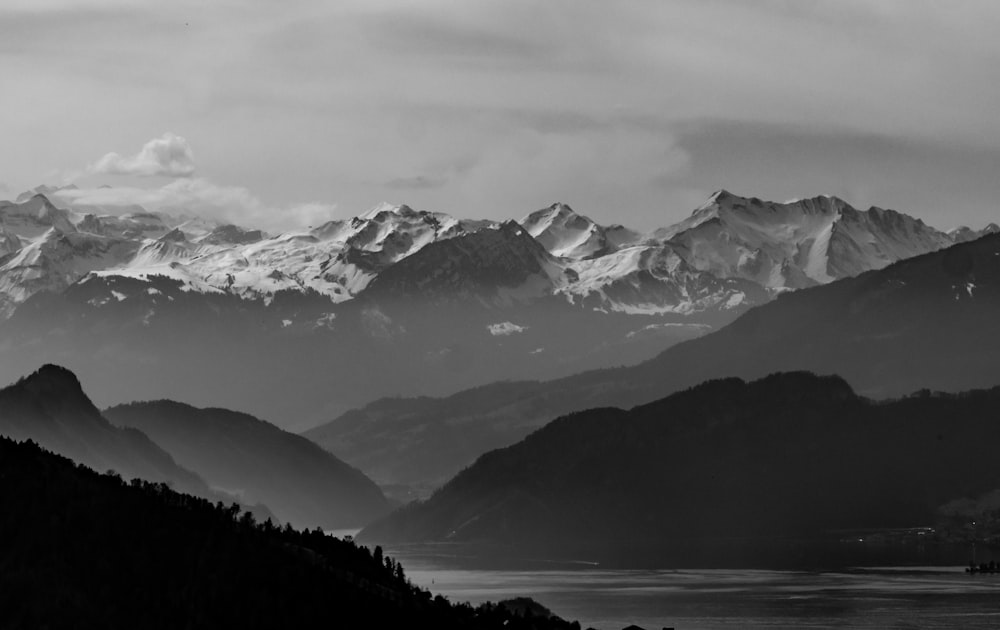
(286, 114)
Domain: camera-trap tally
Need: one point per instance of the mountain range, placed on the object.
(210, 453)
(50, 407)
(399, 301)
(773, 245)
(258, 462)
(932, 321)
(790, 457)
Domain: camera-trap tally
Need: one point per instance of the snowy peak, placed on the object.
(34, 216)
(54, 260)
(394, 231)
(175, 235)
(138, 225)
(384, 210)
(497, 265)
(44, 190)
(795, 244)
(231, 235)
(565, 233)
(963, 233)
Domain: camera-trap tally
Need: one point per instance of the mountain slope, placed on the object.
(50, 407)
(789, 456)
(796, 244)
(927, 322)
(496, 265)
(83, 550)
(566, 234)
(300, 482)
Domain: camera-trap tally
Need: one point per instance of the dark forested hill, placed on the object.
(788, 456)
(51, 408)
(83, 550)
(927, 322)
(298, 480)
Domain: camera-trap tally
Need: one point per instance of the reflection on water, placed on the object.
(872, 597)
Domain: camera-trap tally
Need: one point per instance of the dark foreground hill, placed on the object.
(790, 456)
(932, 321)
(303, 484)
(51, 408)
(83, 550)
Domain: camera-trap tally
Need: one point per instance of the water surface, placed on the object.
(703, 599)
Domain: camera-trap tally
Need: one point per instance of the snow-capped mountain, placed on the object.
(734, 251)
(41, 249)
(428, 303)
(496, 264)
(33, 217)
(796, 244)
(45, 190)
(731, 253)
(964, 233)
(566, 234)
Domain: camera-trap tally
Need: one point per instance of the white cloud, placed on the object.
(200, 196)
(169, 156)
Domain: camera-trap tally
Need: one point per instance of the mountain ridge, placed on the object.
(926, 322)
(788, 456)
(300, 482)
(50, 407)
(340, 258)
(429, 303)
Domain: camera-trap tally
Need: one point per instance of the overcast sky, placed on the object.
(284, 114)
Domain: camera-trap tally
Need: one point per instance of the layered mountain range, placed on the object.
(258, 462)
(932, 321)
(399, 301)
(211, 453)
(725, 466)
(50, 408)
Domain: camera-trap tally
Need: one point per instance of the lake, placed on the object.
(700, 599)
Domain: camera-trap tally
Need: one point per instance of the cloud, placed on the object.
(200, 196)
(418, 182)
(356, 101)
(168, 156)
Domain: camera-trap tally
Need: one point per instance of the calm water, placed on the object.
(873, 597)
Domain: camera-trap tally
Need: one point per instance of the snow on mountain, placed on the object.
(54, 261)
(138, 225)
(498, 265)
(566, 234)
(46, 191)
(654, 279)
(963, 233)
(337, 259)
(33, 217)
(504, 329)
(796, 244)
(731, 253)
(735, 252)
